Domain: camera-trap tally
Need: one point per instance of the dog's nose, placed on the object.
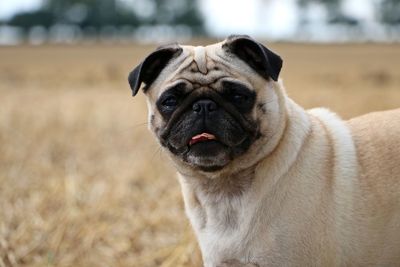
(204, 106)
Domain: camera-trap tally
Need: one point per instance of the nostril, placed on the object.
(196, 107)
(212, 106)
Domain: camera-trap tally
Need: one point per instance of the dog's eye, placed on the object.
(170, 101)
(239, 98)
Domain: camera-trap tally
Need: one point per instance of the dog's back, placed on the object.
(377, 140)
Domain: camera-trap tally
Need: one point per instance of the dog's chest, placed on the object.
(226, 232)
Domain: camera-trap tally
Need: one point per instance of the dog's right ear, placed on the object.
(147, 71)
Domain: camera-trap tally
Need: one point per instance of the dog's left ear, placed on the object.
(258, 57)
(147, 71)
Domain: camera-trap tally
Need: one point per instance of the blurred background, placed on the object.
(82, 181)
(71, 21)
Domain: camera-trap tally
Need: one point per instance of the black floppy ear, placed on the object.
(147, 71)
(258, 57)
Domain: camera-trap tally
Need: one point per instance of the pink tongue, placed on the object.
(201, 137)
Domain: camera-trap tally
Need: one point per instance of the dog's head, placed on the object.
(209, 105)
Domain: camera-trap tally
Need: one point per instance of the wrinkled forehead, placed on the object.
(202, 66)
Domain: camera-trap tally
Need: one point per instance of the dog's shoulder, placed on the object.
(341, 141)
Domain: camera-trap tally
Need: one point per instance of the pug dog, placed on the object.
(264, 181)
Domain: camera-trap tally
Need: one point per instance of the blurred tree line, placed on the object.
(390, 11)
(387, 11)
(97, 14)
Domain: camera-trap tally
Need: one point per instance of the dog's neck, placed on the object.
(225, 186)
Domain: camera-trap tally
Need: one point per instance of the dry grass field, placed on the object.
(82, 182)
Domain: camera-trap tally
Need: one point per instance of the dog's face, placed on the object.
(206, 104)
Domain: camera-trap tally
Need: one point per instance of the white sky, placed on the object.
(10, 7)
(254, 17)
